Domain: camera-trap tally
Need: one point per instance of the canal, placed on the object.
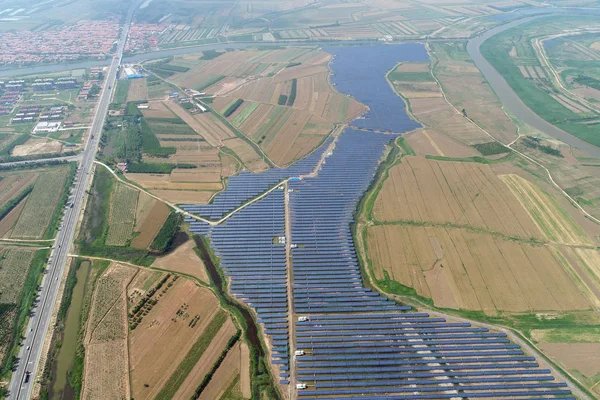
(59, 387)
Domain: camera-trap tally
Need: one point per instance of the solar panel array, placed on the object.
(326, 273)
(251, 255)
(356, 343)
(246, 185)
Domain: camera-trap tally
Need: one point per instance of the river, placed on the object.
(509, 99)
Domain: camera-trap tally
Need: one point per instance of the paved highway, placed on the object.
(35, 334)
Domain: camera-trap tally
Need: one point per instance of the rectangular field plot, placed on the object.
(466, 194)
(122, 215)
(41, 203)
(467, 270)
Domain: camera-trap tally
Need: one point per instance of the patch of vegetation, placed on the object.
(92, 240)
(151, 144)
(62, 200)
(491, 148)
(122, 91)
(156, 168)
(536, 143)
(230, 109)
(174, 68)
(210, 54)
(588, 81)
(282, 101)
(475, 159)
(12, 203)
(402, 76)
(163, 240)
(292, 98)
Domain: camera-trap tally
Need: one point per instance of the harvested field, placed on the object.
(463, 194)
(207, 360)
(122, 215)
(581, 357)
(137, 90)
(196, 175)
(144, 205)
(106, 369)
(183, 260)
(252, 160)
(459, 268)
(161, 181)
(168, 327)
(431, 142)
(184, 196)
(435, 113)
(225, 375)
(206, 125)
(157, 109)
(280, 131)
(151, 224)
(287, 108)
(37, 146)
(466, 88)
(40, 204)
(549, 216)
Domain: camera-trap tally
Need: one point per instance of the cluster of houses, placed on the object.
(86, 39)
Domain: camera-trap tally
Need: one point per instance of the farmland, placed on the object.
(106, 364)
(151, 334)
(459, 223)
(37, 211)
(122, 215)
(20, 274)
(280, 99)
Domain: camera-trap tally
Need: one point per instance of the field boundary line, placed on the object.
(509, 146)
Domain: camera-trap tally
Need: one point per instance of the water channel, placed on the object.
(60, 388)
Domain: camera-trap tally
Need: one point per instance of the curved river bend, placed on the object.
(510, 100)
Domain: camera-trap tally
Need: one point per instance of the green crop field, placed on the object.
(121, 91)
(13, 273)
(41, 203)
(20, 274)
(122, 215)
(244, 114)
